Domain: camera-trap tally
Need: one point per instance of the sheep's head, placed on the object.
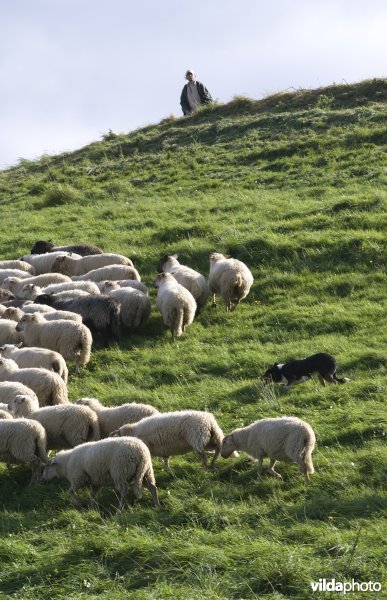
(41, 247)
(20, 406)
(215, 257)
(7, 365)
(13, 313)
(163, 261)
(28, 318)
(228, 447)
(59, 264)
(162, 277)
(44, 299)
(92, 403)
(51, 470)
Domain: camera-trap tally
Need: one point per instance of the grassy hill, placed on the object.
(293, 185)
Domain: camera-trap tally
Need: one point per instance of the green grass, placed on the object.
(294, 185)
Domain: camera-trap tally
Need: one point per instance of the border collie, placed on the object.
(297, 371)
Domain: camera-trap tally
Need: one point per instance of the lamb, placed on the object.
(8, 332)
(14, 313)
(280, 438)
(88, 286)
(111, 418)
(11, 389)
(5, 273)
(229, 277)
(36, 357)
(72, 340)
(100, 313)
(107, 286)
(17, 264)
(103, 462)
(48, 386)
(41, 247)
(66, 426)
(16, 284)
(114, 272)
(178, 432)
(135, 306)
(175, 303)
(43, 262)
(189, 278)
(79, 266)
(23, 441)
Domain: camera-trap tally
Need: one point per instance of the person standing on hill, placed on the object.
(194, 94)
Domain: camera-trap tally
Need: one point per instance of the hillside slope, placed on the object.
(294, 185)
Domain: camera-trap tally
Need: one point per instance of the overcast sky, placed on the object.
(70, 70)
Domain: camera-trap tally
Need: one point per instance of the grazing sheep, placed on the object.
(113, 272)
(72, 340)
(175, 303)
(100, 313)
(15, 314)
(179, 432)
(23, 441)
(103, 462)
(36, 357)
(21, 265)
(79, 266)
(43, 262)
(281, 438)
(10, 389)
(229, 277)
(189, 278)
(48, 386)
(87, 286)
(16, 284)
(135, 306)
(107, 286)
(66, 426)
(5, 273)
(41, 247)
(111, 418)
(8, 332)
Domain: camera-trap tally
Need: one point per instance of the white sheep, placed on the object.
(175, 303)
(229, 277)
(88, 286)
(66, 426)
(72, 340)
(5, 414)
(23, 441)
(108, 461)
(192, 280)
(10, 389)
(16, 314)
(178, 432)
(135, 306)
(21, 265)
(79, 266)
(48, 386)
(108, 285)
(36, 357)
(16, 284)
(8, 332)
(43, 262)
(5, 273)
(111, 418)
(33, 308)
(113, 272)
(281, 438)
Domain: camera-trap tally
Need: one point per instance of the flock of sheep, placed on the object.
(54, 301)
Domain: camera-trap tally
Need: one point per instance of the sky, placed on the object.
(71, 70)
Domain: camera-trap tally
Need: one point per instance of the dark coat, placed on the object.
(204, 95)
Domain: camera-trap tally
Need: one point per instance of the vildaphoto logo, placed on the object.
(343, 587)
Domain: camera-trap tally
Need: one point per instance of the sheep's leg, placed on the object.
(213, 299)
(153, 490)
(93, 495)
(36, 471)
(260, 461)
(203, 458)
(214, 458)
(167, 466)
(271, 469)
(75, 498)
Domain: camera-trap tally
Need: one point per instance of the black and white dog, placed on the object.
(297, 371)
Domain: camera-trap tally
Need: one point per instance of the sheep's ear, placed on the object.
(52, 461)
(175, 256)
(19, 345)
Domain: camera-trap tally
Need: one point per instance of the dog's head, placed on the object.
(272, 374)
